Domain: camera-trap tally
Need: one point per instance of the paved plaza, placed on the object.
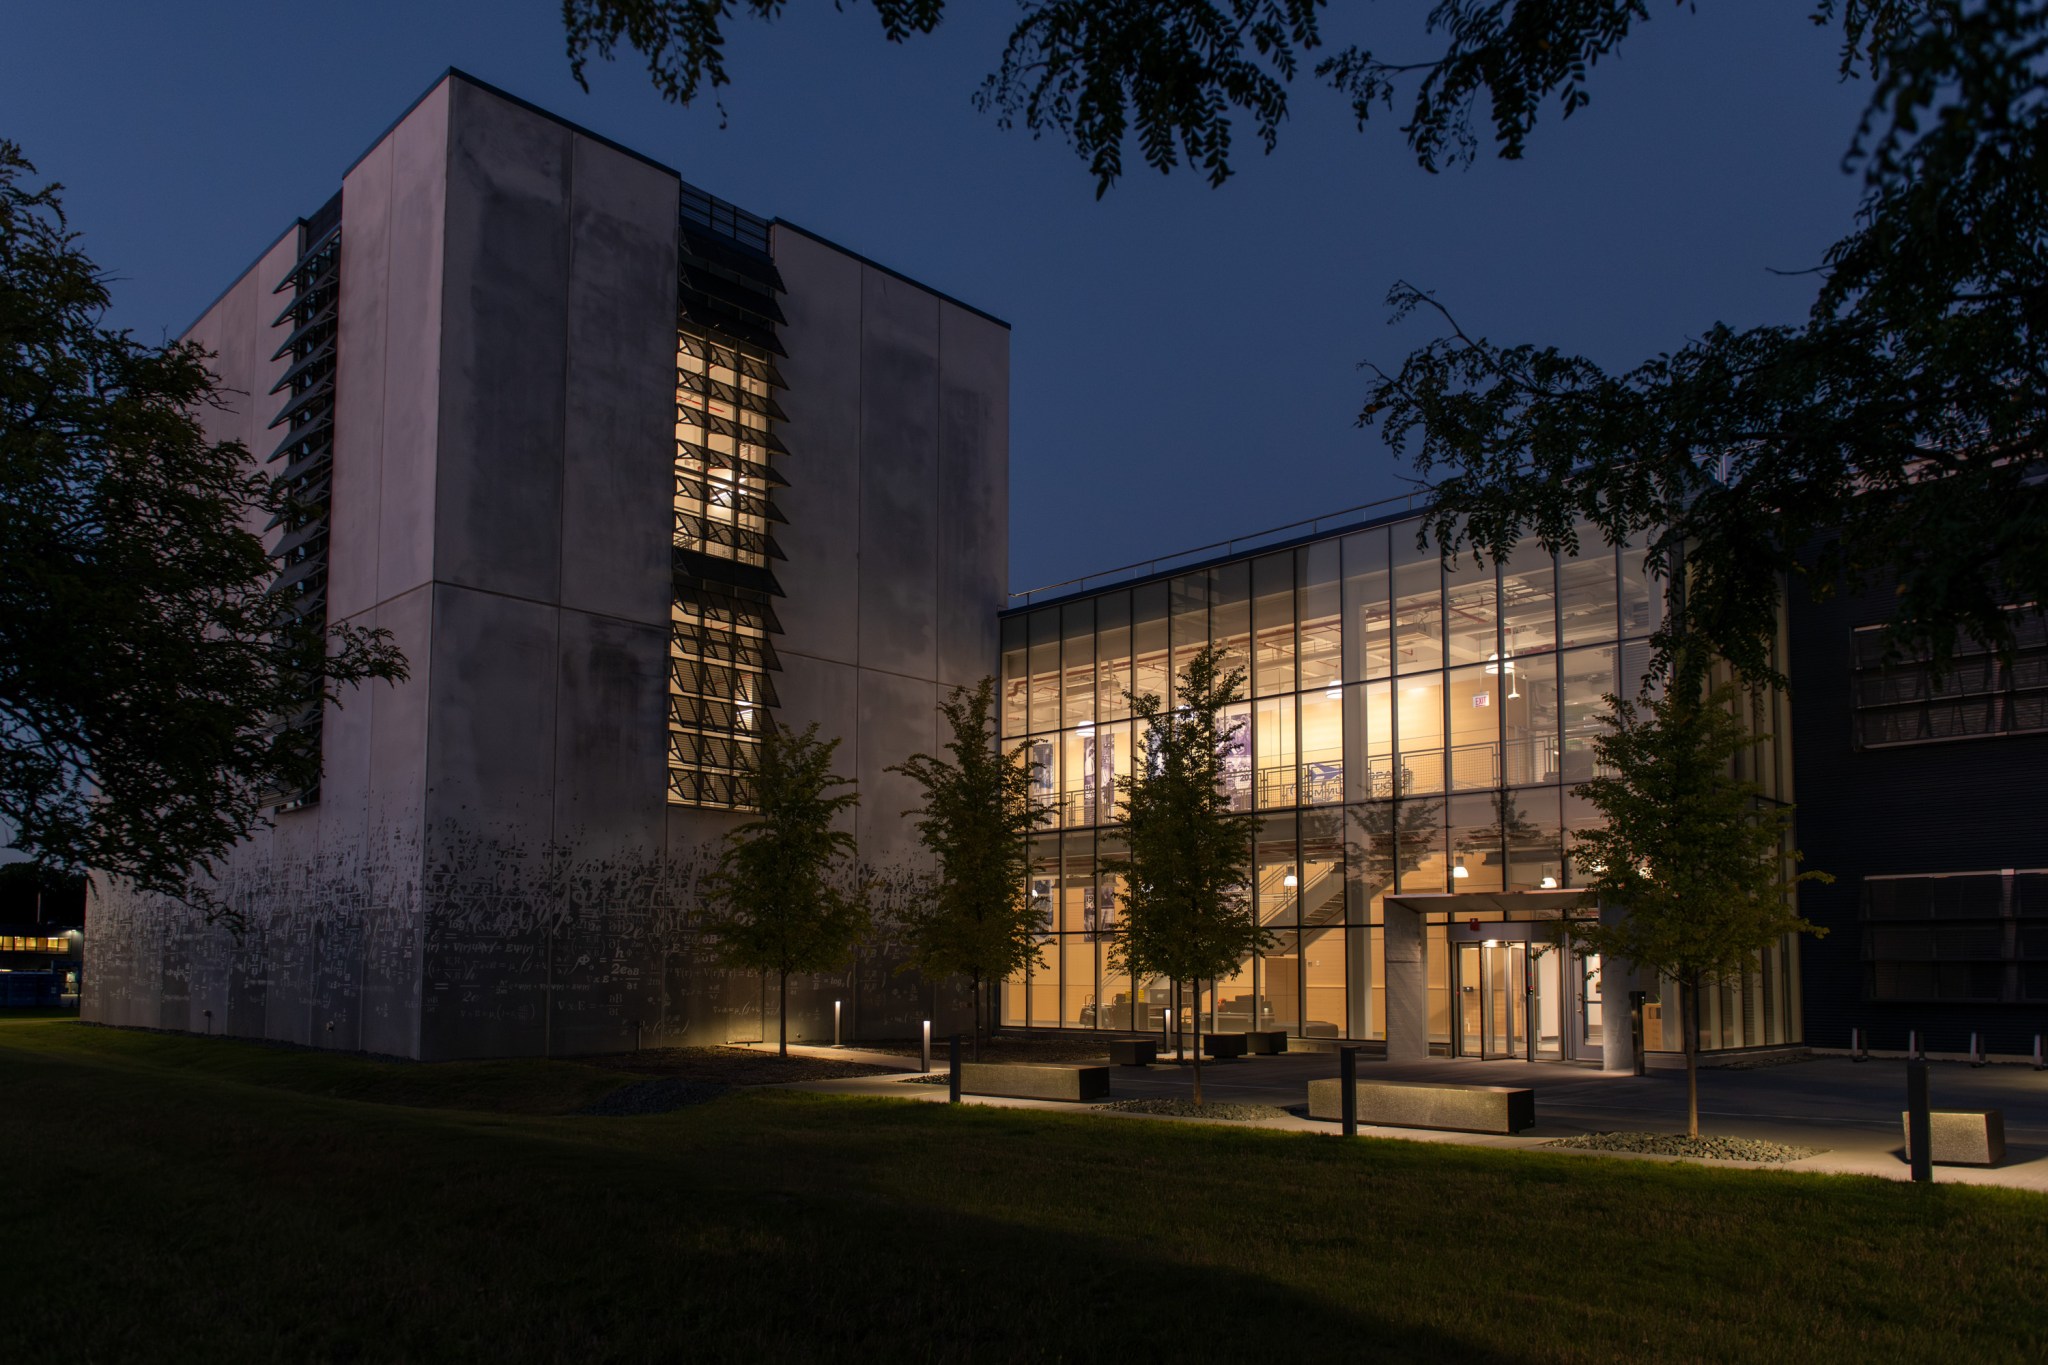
(1850, 1109)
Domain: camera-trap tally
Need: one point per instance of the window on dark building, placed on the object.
(1904, 701)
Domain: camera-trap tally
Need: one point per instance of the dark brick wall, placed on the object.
(1959, 806)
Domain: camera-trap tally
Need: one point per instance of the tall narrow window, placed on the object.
(721, 653)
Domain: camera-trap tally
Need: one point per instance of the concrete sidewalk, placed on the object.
(1849, 1109)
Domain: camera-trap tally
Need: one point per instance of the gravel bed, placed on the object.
(1187, 1109)
(935, 1078)
(654, 1097)
(1676, 1144)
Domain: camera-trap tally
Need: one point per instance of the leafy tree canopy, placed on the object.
(783, 897)
(1187, 874)
(980, 920)
(1697, 858)
(143, 661)
(1897, 430)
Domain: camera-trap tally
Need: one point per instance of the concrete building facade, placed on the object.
(623, 469)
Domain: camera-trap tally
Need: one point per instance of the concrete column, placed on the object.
(1407, 985)
(1618, 1048)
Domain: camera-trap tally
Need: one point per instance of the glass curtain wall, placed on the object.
(1406, 729)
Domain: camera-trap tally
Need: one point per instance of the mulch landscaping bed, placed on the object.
(1677, 1144)
(1188, 1109)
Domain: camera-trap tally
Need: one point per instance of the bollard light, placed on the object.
(1976, 1049)
(2040, 1060)
(835, 1023)
(1912, 1044)
(1856, 1053)
(927, 1046)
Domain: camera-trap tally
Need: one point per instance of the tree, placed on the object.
(1187, 903)
(981, 921)
(779, 900)
(1895, 435)
(1697, 860)
(144, 664)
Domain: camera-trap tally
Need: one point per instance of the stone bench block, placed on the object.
(1223, 1046)
(1423, 1104)
(1134, 1051)
(1961, 1137)
(1267, 1042)
(1035, 1081)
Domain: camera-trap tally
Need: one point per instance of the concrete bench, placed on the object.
(1267, 1042)
(1224, 1046)
(1134, 1051)
(1961, 1137)
(1425, 1104)
(1035, 1081)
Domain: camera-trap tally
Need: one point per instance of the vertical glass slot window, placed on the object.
(1475, 709)
(1275, 748)
(1529, 820)
(1113, 655)
(1323, 987)
(1371, 859)
(1235, 724)
(1321, 607)
(1113, 753)
(1278, 876)
(1322, 746)
(1528, 601)
(1642, 596)
(1368, 609)
(1471, 612)
(1230, 624)
(1043, 755)
(1369, 741)
(1016, 679)
(1077, 972)
(1422, 865)
(1189, 600)
(1477, 861)
(1418, 604)
(1077, 786)
(1579, 815)
(1529, 714)
(1148, 641)
(1586, 591)
(1077, 655)
(1322, 866)
(1419, 734)
(1045, 669)
(1273, 624)
(1077, 884)
(1588, 681)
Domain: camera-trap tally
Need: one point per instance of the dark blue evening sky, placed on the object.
(1184, 359)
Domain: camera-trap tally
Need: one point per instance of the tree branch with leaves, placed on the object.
(1187, 877)
(1699, 863)
(145, 666)
(981, 920)
(785, 896)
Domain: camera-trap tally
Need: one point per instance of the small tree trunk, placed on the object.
(978, 1016)
(1196, 995)
(1692, 1057)
(782, 1012)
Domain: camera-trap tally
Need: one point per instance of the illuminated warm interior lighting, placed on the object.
(1289, 880)
(1549, 884)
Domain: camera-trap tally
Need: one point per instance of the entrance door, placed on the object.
(1493, 1000)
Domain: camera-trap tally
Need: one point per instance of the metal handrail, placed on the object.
(1221, 548)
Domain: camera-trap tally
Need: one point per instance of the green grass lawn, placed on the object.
(178, 1198)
